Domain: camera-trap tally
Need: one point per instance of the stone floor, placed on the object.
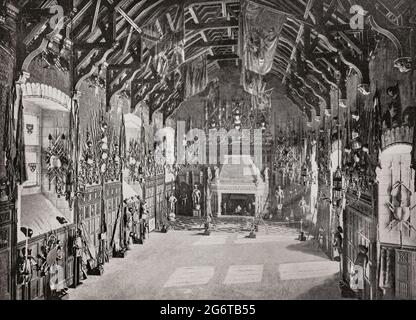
(226, 224)
(233, 224)
(225, 265)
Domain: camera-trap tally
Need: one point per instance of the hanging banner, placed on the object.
(261, 30)
(20, 161)
(170, 49)
(151, 36)
(164, 89)
(377, 125)
(262, 101)
(176, 89)
(196, 77)
(261, 98)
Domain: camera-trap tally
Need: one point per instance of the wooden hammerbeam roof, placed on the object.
(317, 46)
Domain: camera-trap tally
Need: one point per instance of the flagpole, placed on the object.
(75, 155)
(120, 154)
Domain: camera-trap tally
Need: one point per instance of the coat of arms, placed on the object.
(29, 128)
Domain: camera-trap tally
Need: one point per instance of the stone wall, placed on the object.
(41, 73)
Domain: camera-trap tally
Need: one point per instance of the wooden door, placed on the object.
(405, 275)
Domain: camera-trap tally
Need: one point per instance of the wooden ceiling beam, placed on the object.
(221, 43)
(129, 20)
(223, 57)
(201, 33)
(298, 37)
(193, 14)
(96, 13)
(198, 54)
(170, 21)
(190, 3)
(220, 24)
(224, 10)
(121, 56)
(83, 33)
(75, 20)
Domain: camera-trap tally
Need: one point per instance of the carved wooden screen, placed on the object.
(169, 189)
(405, 274)
(5, 252)
(150, 196)
(160, 209)
(35, 289)
(359, 229)
(112, 196)
(39, 286)
(90, 213)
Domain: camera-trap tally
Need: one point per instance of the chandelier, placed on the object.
(239, 114)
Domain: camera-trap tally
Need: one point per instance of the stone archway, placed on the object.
(42, 93)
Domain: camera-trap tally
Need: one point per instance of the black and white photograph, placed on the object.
(207, 154)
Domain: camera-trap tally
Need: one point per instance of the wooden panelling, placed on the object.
(4, 275)
(38, 288)
(5, 217)
(359, 229)
(156, 195)
(6, 245)
(112, 192)
(89, 212)
(405, 274)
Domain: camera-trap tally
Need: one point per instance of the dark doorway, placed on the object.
(238, 204)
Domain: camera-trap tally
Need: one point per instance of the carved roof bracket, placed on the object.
(320, 72)
(312, 90)
(115, 83)
(295, 101)
(402, 35)
(301, 99)
(96, 63)
(25, 55)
